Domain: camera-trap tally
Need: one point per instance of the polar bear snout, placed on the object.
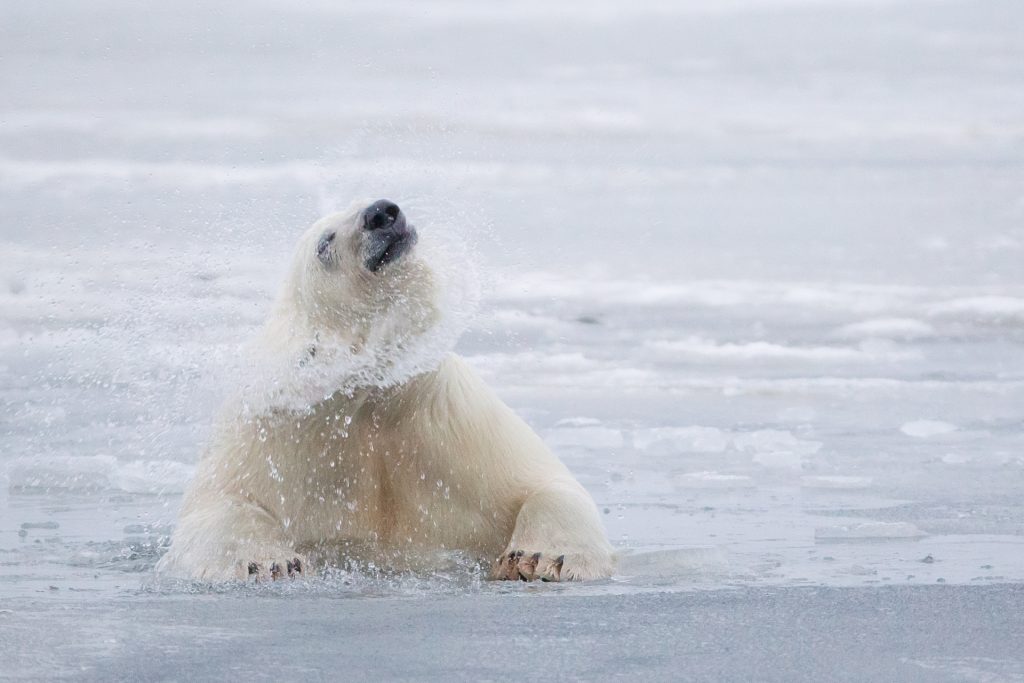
(383, 214)
(390, 235)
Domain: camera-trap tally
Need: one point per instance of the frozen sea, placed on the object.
(754, 269)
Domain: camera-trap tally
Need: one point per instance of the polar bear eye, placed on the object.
(323, 247)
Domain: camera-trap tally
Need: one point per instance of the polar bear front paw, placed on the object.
(520, 565)
(277, 569)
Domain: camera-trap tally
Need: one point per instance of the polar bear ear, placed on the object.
(323, 247)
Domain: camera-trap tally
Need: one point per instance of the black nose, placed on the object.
(381, 214)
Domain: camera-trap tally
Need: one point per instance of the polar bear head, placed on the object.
(363, 241)
(356, 279)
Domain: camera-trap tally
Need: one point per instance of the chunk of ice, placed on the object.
(769, 440)
(785, 460)
(835, 482)
(681, 440)
(590, 436)
(714, 480)
(98, 473)
(869, 530)
(674, 562)
(892, 328)
(923, 429)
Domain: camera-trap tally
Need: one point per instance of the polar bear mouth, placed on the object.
(389, 235)
(389, 247)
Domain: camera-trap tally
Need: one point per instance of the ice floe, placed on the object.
(97, 473)
(836, 482)
(869, 530)
(924, 429)
(681, 439)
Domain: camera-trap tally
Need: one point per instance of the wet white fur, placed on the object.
(435, 462)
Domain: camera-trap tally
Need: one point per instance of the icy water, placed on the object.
(755, 270)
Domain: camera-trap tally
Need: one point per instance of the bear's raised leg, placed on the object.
(557, 537)
(231, 539)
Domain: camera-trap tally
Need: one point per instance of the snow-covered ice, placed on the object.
(779, 356)
(836, 482)
(753, 268)
(924, 429)
(869, 530)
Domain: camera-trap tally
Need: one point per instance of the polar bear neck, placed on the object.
(315, 344)
(351, 310)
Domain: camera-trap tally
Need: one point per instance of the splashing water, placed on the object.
(270, 381)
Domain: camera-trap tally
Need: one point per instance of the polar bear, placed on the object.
(391, 472)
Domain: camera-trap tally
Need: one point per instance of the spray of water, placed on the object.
(297, 379)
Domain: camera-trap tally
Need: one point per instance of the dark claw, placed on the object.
(531, 567)
(559, 561)
(510, 565)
